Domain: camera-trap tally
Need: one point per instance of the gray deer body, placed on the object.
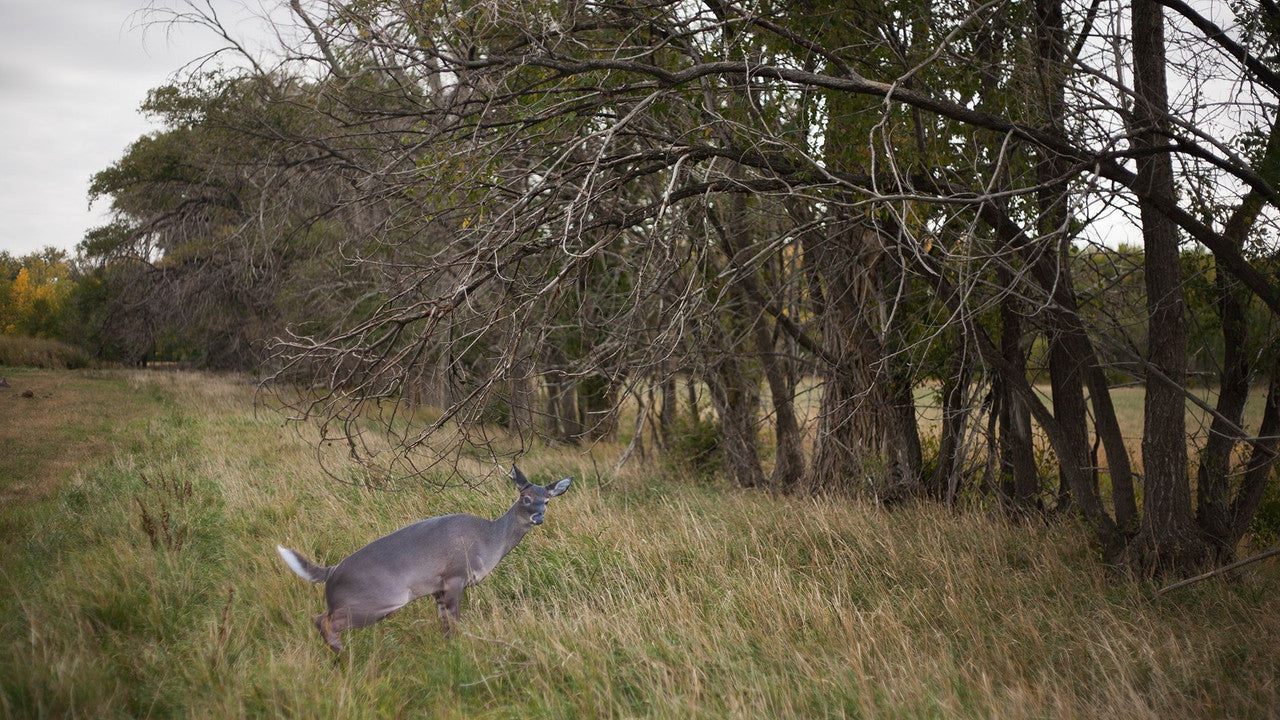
(439, 556)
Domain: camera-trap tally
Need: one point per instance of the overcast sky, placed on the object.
(72, 75)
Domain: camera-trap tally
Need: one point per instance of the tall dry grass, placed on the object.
(644, 595)
(42, 353)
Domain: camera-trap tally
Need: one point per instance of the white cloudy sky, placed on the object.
(72, 76)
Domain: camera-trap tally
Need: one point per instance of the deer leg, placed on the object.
(330, 628)
(449, 601)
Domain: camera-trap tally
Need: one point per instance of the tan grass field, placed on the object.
(645, 594)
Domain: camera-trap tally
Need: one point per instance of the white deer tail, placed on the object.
(306, 569)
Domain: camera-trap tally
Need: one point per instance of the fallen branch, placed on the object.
(1191, 581)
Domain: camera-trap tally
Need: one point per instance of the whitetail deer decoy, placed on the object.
(439, 556)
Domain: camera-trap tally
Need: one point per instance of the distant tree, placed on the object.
(214, 245)
(33, 292)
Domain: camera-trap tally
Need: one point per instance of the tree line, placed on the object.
(534, 213)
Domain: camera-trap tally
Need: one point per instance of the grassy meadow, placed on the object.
(139, 513)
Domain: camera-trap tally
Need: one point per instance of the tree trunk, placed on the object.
(562, 412)
(1217, 512)
(670, 409)
(1066, 370)
(867, 438)
(1168, 539)
(1075, 354)
(735, 393)
(1091, 508)
(523, 392)
(1009, 430)
(1066, 376)
(788, 463)
(1019, 481)
(597, 407)
(1108, 429)
(691, 393)
(1258, 469)
(900, 436)
(735, 234)
(1213, 486)
(955, 388)
(847, 438)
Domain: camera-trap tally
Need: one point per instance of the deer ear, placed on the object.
(518, 479)
(559, 487)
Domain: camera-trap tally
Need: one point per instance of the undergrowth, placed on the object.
(42, 353)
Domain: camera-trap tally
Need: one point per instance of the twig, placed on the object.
(1275, 550)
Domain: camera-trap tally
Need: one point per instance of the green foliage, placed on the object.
(1266, 523)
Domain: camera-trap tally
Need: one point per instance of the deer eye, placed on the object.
(526, 500)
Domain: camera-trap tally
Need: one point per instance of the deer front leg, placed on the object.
(449, 602)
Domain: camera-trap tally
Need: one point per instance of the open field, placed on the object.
(139, 579)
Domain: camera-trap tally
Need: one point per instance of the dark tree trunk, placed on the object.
(523, 395)
(597, 407)
(735, 393)
(1168, 539)
(847, 444)
(1213, 486)
(1075, 355)
(1066, 366)
(561, 422)
(670, 409)
(1009, 434)
(901, 437)
(1018, 478)
(846, 439)
(567, 411)
(735, 237)
(1091, 508)
(1258, 469)
(867, 437)
(1071, 352)
(1217, 512)
(1108, 429)
(788, 464)
(1066, 375)
(946, 479)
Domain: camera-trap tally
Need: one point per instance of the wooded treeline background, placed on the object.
(532, 213)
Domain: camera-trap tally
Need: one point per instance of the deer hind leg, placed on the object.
(330, 628)
(353, 614)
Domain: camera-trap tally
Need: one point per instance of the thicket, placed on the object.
(809, 213)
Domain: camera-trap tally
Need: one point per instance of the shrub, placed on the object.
(42, 353)
(696, 443)
(1266, 523)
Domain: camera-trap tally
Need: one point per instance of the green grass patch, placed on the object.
(143, 582)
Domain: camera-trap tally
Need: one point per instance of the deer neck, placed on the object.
(509, 530)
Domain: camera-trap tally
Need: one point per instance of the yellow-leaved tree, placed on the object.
(31, 302)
